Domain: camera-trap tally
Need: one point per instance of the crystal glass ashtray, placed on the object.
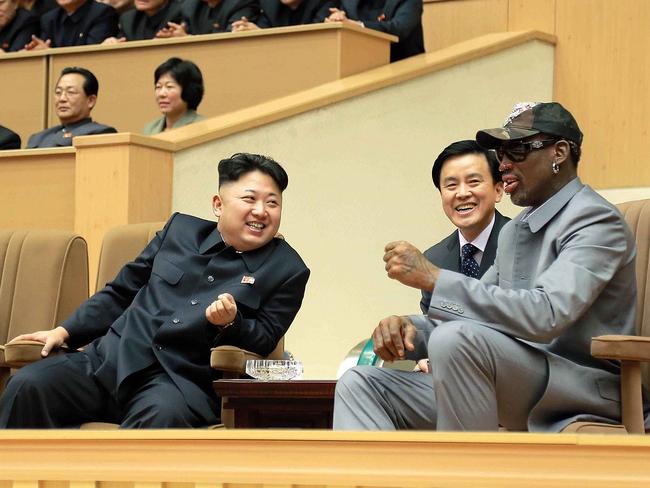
(273, 369)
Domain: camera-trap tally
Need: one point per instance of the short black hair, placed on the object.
(187, 75)
(460, 148)
(237, 165)
(90, 86)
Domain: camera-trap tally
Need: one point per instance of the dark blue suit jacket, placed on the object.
(402, 18)
(446, 254)
(89, 24)
(154, 310)
(9, 139)
(19, 31)
(275, 14)
(201, 19)
(59, 135)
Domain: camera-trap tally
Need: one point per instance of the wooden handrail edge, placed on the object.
(225, 36)
(47, 151)
(336, 91)
(123, 138)
(503, 438)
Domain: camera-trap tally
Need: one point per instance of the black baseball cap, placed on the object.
(530, 118)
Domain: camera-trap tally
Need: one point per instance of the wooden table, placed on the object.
(278, 404)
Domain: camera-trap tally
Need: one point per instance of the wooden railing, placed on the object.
(237, 458)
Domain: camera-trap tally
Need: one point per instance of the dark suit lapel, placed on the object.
(389, 8)
(452, 260)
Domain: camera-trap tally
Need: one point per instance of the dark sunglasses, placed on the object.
(520, 151)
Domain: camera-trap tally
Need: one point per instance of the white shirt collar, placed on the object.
(481, 240)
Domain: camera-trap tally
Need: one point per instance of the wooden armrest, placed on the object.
(20, 353)
(621, 347)
(231, 358)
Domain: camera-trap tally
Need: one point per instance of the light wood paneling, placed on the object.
(320, 458)
(24, 85)
(531, 14)
(239, 69)
(602, 76)
(37, 188)
(120, 179)
(448, 22)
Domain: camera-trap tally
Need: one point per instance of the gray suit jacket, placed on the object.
(59, 135)
(446, 254)
(562, 275)
(158, 125)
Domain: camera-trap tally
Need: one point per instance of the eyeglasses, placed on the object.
(520, 151)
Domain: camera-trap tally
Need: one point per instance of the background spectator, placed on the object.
(75, 23)
(402, 18)
(8, 139)
(17, 26)
(74, 98)
(147, 19)
(179, 90)
(282, 13)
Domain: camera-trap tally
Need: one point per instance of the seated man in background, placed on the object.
(75, 23)
(210, 16)
(402, 18)
(196, 285)
(147, 20)
(17, 26)
(512, 349)
(9, 139)
(75, 96)
(283, 13)
(468, 179)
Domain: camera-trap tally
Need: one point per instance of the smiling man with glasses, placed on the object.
(512, 349)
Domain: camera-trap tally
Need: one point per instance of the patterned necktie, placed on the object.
(468, 265)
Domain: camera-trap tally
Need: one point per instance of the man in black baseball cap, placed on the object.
(531, 133)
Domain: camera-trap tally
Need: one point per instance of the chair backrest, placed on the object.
(121, 245)
(637, 215)
(44, 278)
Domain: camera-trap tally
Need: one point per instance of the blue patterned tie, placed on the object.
(468, 265)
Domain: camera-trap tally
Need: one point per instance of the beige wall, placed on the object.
(601, 69)
(360, 177)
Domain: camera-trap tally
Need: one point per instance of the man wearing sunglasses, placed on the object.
(512, 349)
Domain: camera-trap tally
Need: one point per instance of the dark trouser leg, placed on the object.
(156, 402)
(56, 392)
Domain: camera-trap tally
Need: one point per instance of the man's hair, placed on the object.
(239, 164)
(461, 148)
(90, 86)
(187, 75)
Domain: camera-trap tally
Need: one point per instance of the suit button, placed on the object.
(194, 301)
(210, 279)
(175, 320)
(158, 346)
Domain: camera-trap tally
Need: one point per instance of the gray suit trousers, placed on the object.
(479, 379)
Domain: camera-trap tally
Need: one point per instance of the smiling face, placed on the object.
(70, 100)
(468, 193)
(169, 96)
(249, 210)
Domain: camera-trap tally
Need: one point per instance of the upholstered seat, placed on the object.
(44, 277)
